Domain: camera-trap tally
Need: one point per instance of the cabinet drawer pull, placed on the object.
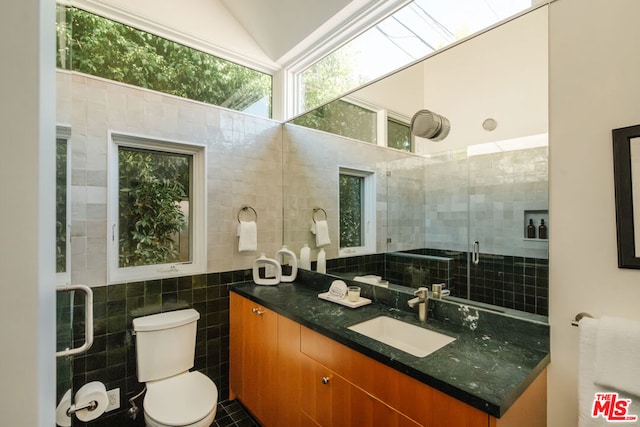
(325, 380)
(257, 311)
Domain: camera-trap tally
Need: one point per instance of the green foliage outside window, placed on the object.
(398, 135)
(351, 200)
(152, 185)
(98, 46)
(61, 206)
(342, 118)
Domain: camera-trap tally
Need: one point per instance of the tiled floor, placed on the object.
(231, 413)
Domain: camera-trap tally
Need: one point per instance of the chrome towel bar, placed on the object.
(579, 316)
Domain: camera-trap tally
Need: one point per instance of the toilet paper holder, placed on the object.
(91, 406)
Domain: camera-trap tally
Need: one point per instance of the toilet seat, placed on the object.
(182, 400)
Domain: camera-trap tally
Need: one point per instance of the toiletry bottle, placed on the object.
(291, 263)
(305, 257)
(542, 230)
(531, 230)
(322, 261)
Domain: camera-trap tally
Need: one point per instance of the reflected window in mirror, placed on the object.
(344, 119)
(399, 135)
(63, 222)
(357, 212)
(412, 32)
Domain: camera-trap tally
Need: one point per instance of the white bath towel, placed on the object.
(248, 236)
(321, 230)
(587, 389)
(618, 354)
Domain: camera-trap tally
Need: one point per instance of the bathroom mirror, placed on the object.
(477, 185)
(626, 163)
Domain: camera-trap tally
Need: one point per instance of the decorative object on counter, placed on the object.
(345, 301)
(247, 232)
(264, 262)
(321, 265)
(292, 262)
(542, 230)
(531, 230)
(305, 257)
(338, 289)
(321, 229)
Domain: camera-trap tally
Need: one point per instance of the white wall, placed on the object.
(594, 88)
(27, 286)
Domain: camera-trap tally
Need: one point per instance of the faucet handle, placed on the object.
(421, 292)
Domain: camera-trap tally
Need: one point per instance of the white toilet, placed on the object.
(165, 350)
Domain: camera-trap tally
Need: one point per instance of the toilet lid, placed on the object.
(180, 400)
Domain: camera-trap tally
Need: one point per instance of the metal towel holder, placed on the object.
(579, 316)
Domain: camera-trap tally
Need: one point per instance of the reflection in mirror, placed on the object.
(634, 145)
(433, 204)
(412, 32)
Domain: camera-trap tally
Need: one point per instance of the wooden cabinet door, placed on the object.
(254, 358)
(329, 400)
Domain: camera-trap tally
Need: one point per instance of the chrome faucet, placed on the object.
(421, 300)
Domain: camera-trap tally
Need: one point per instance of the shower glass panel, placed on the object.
(508, 186)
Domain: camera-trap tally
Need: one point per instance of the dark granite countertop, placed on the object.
(490, 364)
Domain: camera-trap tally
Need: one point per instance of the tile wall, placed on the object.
(112, 358)
(502, 280)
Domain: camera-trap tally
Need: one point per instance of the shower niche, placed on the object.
(537, 218)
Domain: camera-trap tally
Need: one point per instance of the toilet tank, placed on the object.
(165, 343)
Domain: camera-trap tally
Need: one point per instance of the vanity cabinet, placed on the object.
(328, 399)
(289, 375)
(264, 365)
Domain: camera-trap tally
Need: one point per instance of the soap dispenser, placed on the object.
(321, 266)
(286, 257)
(542, 230)
(531, 230)
(305, 257)
(266, 263)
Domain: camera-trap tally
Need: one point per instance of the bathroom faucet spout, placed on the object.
(421, 300)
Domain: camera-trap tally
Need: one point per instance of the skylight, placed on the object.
(416, 30)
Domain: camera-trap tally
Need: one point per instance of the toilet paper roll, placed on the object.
(93, 391)
(62, 419)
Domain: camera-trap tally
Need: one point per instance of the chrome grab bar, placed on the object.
(88, 321)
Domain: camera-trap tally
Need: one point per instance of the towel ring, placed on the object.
(246, 208)
(316, 210)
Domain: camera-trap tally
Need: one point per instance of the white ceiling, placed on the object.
(279, 26)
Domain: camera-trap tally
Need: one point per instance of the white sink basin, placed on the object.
(410, 338)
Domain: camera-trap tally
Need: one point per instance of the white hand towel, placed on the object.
(617, 355)
(248, 236)
(587, 389)
(321, 230)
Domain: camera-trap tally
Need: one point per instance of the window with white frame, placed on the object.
(157, 201)
(63, 227)
(357, 201)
